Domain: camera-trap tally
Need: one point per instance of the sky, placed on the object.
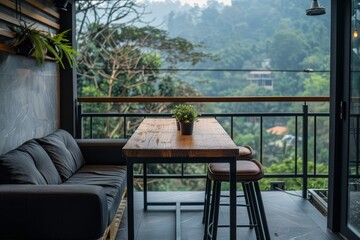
(197, 2)
(203, 2)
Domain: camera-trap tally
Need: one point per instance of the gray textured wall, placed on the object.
(29, 100)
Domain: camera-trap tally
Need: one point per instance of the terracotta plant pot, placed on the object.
(186, 128)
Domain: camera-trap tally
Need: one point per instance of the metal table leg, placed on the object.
(233, 199)
(130, 202)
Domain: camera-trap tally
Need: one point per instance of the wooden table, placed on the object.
(157, 141)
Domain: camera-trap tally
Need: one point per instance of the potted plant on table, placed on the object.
(186, 115)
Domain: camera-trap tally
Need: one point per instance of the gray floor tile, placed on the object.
(289, 217)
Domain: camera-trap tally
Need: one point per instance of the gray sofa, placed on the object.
(57, 187)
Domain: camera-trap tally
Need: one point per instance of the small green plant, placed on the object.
(185, 113)
(30, 41)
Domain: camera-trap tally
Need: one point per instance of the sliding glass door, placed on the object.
(352, 219)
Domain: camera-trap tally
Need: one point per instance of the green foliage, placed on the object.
(116, 61)
(288, 49)
(288, 167)
(128, 60)
(317, 85)
(60, 47)
(185, 113)
(45, 43)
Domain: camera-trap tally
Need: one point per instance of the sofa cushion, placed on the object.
(64, 152)
(28, 164)
(111, 177)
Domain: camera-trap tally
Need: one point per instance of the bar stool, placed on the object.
(245, 153)
(248, 172)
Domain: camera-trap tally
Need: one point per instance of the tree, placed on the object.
(119, 59)
(287, 50)
(287, 166)
(125, 61)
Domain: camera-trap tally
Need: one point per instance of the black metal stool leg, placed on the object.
(255, 210)
(248, 206)
(247, 173)
(216, 206)
(210, 216)
(262, 211)
(207, 207)
(207, 199)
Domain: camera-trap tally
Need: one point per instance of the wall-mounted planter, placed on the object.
(30, 41)
(26, 48)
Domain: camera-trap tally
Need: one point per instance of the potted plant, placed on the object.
(61, 48)
(177, 114)
(186, 115)
(30, 41)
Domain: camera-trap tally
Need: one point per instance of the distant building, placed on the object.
(261, 78)
(277, 130)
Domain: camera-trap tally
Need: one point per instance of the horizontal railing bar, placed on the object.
(282, 114)
(202, 99)
(172, 175)
(308, 70)
(191, 176)
(218, 115)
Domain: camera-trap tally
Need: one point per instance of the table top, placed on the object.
(158, 137)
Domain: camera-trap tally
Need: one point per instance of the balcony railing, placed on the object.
(301, 138)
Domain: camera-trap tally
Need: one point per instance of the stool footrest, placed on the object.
(241, 195)
(239, 226)
(238, 205)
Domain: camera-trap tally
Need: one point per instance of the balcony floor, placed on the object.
(289, 217)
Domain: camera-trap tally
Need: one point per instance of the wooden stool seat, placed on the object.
(248, 173)
(245, 153)
(250, 170)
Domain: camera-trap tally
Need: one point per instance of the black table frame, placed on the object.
(143, 160)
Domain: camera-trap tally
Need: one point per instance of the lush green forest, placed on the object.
(248, 48)
(255, 35)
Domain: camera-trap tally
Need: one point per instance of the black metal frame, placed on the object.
(68, 84)
(339, 116)
(304, 115)
(253, 203)
(130, 194)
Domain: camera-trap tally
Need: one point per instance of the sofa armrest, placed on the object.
(52, 211)
(102, 151)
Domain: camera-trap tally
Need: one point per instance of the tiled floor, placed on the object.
(289, 217)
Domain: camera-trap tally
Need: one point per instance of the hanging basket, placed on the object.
(26, 47)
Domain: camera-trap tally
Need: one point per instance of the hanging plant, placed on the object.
(59, 47)
(30, 41)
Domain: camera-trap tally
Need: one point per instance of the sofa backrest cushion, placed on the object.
(64, 152)
(28, 164)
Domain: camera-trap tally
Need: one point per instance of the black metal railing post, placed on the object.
(296, 146)
(79, 121)
(91, 127)
(125, 127)
(315, 144)
(261, 139)
(305, 150)
(357, 137)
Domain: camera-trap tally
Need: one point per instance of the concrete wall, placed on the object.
(29, 100)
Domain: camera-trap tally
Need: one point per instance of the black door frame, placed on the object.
(340, 68)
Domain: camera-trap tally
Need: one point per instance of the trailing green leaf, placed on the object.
(57, 46)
